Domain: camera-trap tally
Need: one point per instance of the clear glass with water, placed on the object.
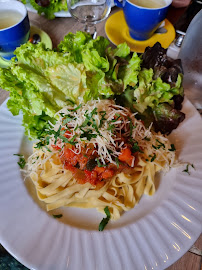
(89, 12)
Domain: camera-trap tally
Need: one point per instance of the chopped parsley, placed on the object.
(22, 161)
(102, 113)
(71, 141)
(57, 133)
(99, 163)
(187, 168)
(66, 120)
(57, 216)
(88, 134)
(117, 162)
(39, 144)
(172, 147)
(160, 144)
(47, 148)
(105, 220)
(135, 146)
(153, 157)
(78, 107)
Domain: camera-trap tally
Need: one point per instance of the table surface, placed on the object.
(57, 29)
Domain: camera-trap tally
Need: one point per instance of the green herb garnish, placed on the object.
(103, 113)
(65, 140)
(153, 158)
(172, 147)
(57, 216)
(57, 134)
(88, 134)
(78, 107)
(99, 163)
(117, 162)
(22, 161)
(39, 144)
(160, 144)
(47, 148)
(187, 168)
(135, 147)
(66, 120)
(104, 221)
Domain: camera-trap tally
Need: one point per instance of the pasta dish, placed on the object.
(98, 154)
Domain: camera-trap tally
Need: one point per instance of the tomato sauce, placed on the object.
(85, 168)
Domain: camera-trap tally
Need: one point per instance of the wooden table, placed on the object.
(57, 29)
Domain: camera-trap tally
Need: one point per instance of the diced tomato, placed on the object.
(108, 173)
(68, 153)
(87, 173)
(126, 156)
(56, 147)
(70, 167)
(79, 175)
(99, 169)
(91, 177)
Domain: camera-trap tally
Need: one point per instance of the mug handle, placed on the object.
(118, 4)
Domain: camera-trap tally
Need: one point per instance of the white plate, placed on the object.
(61, 13)
(153, 235)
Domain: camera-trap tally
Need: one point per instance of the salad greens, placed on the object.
(47, 7)
(43, 81)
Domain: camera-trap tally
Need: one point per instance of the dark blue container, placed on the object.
(15, 35)
(142, 22)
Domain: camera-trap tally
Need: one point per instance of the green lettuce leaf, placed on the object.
(97, 86)
(74, 44)
(150, 93)
(129, 73)
(41, 82)
(54, 6)
(77, 43)
(93, 61)
(122, 50)
(69, 79)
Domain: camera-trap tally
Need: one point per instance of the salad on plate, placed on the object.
(49, 8)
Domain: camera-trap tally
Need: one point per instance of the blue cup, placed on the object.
(143, 21)
(14, 35)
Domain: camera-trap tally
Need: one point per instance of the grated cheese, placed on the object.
(109, 123)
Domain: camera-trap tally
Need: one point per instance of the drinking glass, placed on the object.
(89, 12)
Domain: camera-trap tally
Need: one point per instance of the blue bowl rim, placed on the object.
(145, 8)
(13, 9)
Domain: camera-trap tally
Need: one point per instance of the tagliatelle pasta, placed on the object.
(57, 186)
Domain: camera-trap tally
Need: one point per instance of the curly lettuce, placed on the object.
(43, 81)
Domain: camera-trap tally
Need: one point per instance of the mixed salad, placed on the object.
(47, 7)
(43, 81)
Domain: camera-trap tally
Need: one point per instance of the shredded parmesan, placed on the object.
(103, 124)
